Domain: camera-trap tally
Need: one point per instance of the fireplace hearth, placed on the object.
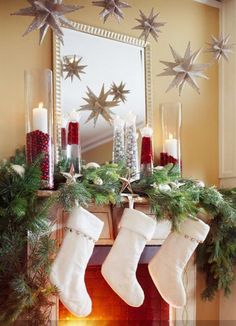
(109, 308)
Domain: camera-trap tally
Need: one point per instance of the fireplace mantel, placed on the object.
(111, 215)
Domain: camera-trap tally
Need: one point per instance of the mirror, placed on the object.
(106, 58)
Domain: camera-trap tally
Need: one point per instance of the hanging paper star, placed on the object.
(99, 105)
(47, 13)
(184, 69)
(149, 25)
(72, 67)
(71, 176)
(111, 8)
(119, 92)
(220, 47)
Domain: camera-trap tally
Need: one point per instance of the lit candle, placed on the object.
(171, 146)
(40, 119)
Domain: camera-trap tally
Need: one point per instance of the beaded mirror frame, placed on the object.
(57, 46)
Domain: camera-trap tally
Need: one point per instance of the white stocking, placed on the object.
(83, 229)
(119, 268)
(167, 266)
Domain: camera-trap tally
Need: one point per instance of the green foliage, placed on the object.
(108, 192)
(69, 194)
(216, 257)
(24, 287)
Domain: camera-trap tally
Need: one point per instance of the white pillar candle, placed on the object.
(171, 146)
(40, 119)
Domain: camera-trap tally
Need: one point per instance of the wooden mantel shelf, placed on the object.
(111, 215)
(137, 199)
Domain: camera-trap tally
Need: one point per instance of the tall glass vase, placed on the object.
(131, 146)
(39, 122)
(73, 141)
(146, 167)
(118, 152)
(171, 133)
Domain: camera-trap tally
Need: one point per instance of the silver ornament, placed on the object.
(47, 13)
(220, 47)
(149, 25)
(184, 69)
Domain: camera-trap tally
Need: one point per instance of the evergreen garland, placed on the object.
(25, 292)
(24, 286)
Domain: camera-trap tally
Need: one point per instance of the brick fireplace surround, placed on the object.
(108, 308)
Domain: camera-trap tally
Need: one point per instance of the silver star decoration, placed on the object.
(149, 25)
(47, 13)
(119, 92)
(99, 105)
(126, 183)
(220, 47)
(111, 8)
(184, 69)
(71, 66)
(71, 177)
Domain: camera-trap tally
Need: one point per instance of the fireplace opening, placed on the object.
(110, 309)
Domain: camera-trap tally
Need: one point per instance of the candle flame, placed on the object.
(40, 105)
(170, 136)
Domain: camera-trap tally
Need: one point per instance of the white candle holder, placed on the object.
(171, 133)
(39, 122)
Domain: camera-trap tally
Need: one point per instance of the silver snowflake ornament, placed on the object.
(47, 13)
(149, 25)
(72, 67)
(111, 8)
(220, 48)
(184, 70)
(99, 105)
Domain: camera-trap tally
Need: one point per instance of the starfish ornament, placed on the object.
(99, 105)
(119, 92)
(220, 48)
(149, 25)
(47, 13)
(111, 8)
(71, 66)
(184, 69)
(71, 176)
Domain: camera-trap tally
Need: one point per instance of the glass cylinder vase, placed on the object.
(39, 122)
(171, 132)
(146, 166)
(118, 152)
(64, 138)
(131, 146)
(73, 141)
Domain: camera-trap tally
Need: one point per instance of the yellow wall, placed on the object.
(186, 20)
